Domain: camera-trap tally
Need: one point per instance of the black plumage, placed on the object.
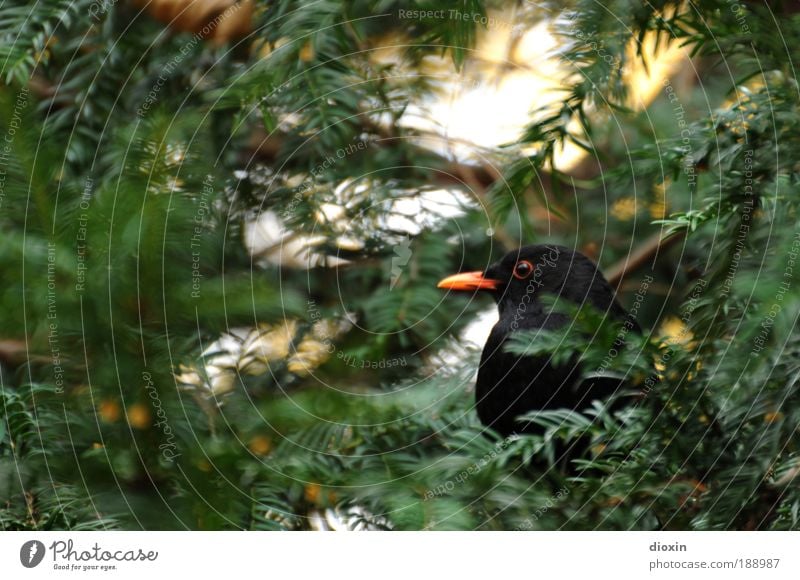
(510, 385)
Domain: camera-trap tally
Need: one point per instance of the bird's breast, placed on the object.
(510, 385)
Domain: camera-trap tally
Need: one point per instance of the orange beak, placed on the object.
(468, 281)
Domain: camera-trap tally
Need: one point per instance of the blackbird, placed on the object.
(511, 385)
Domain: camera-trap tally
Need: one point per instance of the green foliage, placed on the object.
(158, 371)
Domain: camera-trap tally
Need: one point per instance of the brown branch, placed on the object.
(646, 254)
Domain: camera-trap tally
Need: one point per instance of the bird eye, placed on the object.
(523, 269)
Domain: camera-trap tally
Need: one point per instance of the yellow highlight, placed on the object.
(312, 492)
(109, 410)
(624, 209)
(675, 331)
(260, 445)
(139, 416)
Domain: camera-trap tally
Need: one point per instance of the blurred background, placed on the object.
(223, 225)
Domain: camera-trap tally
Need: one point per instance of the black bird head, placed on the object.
(523, 275)
(509, 385)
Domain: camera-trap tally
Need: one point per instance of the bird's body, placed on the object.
(510, 385)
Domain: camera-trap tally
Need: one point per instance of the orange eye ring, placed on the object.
(523, 269)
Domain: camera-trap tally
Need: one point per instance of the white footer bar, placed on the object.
(401, 555)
